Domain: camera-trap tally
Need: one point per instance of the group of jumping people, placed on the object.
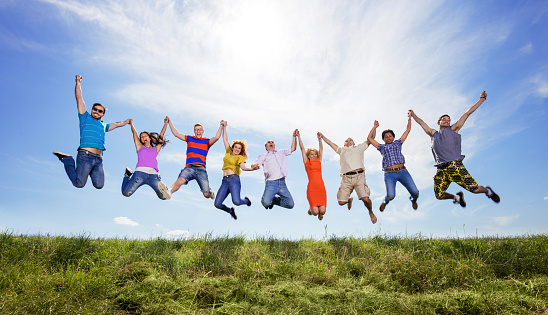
(445, 143)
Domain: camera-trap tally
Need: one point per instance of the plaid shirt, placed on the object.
(391, 153)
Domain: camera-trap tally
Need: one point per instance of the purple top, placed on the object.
(391, 153)
(146, 157)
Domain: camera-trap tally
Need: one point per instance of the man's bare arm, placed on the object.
(78, 93)
(429, 131)
(458, 125)
(331, 144)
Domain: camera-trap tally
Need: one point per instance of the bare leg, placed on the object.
(314, 211)
(369, 205)
(446, 196)
(348, 202)
(480, 190)
(178, 183)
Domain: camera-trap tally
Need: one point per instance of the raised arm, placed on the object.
(429, 131)
(115, 125)
(331, 144)
(78, 94)
(294, 141)
(218, 135)
(225, 136)
(159, 146)
(174, 130)
(320, 147)
(458, 125)
(372, 134)
(303, 150)
(136, 139)
(407, 130)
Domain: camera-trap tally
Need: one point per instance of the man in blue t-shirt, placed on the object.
(446, 148)
(89, 161)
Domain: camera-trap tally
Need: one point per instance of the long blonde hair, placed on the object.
(243, 144)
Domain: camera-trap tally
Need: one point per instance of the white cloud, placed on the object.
(506, 220)
(546, 198)
(541, 85)
(125, 221)
(181, 234)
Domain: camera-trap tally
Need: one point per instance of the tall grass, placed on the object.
(232, 275)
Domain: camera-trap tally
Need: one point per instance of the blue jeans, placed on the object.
(230, 185)
(138, 179)
(86, 165)
(276, 193)
(197, 172)
(402, 176)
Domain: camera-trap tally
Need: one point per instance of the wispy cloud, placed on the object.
(125, 221)
(506, 220)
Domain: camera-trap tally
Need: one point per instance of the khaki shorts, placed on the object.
(351, 182)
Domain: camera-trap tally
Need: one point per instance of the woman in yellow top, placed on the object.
(233, 163)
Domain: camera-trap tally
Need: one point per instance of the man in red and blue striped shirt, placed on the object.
(196, 154)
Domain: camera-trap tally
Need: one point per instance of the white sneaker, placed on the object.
(211, 194)
(163, 189)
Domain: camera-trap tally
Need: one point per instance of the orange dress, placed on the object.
(315, 191)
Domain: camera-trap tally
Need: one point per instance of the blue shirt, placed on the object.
(92, 132)
(391, 153)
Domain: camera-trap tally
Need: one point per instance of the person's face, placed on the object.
(145, 138)
(349, 142)
(270, 145)
(198, 131)
(388, 138)
(312, 155)
(97, 112)
(445, 121)
(237, 149)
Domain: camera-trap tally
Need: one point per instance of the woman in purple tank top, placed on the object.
(148, 145)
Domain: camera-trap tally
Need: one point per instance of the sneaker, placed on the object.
(270, 206)
(129, 172)
(233, 213)
(459, 198)
(349, 204)
(60, 155)
(383, 205)
(492, 195)
(414, 204)
(248, 201)
(163, 189)
(211, 195)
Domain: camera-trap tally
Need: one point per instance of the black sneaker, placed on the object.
(248, 201)
(60, 155)
(459, 198)
(492, 195)
(233, 214)
(128, 172)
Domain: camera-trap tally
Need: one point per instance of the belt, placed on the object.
(354, 173)
(393, 169)
(89, 152)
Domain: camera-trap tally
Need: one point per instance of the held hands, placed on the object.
(166, 120)
(254, 166)
(319, 135)
(128, 121)
(224, 123)
(296, 133)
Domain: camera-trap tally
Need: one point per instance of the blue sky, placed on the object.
(268, 67)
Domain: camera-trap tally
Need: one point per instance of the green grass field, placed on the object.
(235, 275)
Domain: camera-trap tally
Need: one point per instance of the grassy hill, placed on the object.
(235, 275)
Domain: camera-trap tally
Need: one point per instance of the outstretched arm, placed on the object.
(225, 136)
(294, 141)
(458, 125)
(115, 125)
(372, 134)
(136, 139)
(218, 135)
(429, 131)
(331, 144)
(320, 147)
(406, 133)
(245, 168)
(162, 133)
(303, 150)
(78, 93)
(174, 130)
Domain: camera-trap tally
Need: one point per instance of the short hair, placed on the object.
(99, 104)
(309, 150)
(198, 125)
(243, 144)
(388, 131)
(439, 119)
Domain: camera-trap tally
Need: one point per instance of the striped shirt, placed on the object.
(391, 153)
(92, 132)
(196, 150)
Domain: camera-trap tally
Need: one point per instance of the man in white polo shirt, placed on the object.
(352, 173)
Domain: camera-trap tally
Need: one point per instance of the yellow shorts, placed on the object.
(453, 172)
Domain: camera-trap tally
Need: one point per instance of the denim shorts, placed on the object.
(197, 172)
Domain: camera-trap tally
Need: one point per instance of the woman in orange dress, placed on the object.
(315, 191)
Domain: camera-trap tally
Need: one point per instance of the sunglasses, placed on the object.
(100, 111)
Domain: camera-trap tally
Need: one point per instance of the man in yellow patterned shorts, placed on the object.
(446, 148)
